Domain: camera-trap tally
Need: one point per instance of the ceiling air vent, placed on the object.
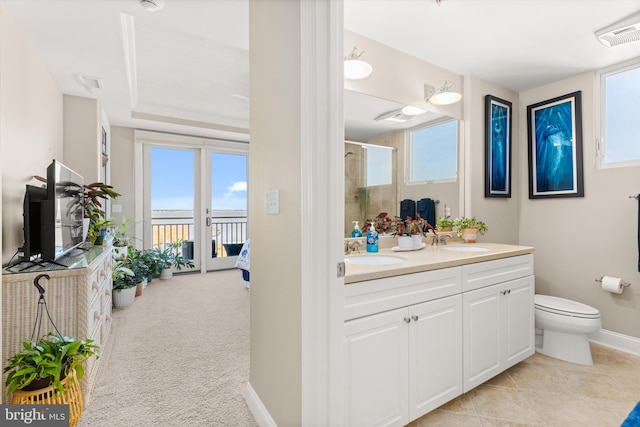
(152, 5)
(625, 31)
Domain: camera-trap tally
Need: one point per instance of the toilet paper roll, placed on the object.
(612, 284)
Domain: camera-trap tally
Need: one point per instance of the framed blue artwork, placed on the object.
(555, 147)
(497, 152)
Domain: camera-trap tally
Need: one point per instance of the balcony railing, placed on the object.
(227, 233)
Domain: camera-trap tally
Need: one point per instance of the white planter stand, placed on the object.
(124, 297)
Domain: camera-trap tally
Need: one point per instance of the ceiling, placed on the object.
(185, 68)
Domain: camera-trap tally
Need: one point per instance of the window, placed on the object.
(433, 153)
(619, 122)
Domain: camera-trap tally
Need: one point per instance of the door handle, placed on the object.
(208, 221)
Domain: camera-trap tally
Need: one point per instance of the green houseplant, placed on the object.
(47, 362)
(171, 258)
(469, 228)
(444, 223)
(94, 195)
(124, 288)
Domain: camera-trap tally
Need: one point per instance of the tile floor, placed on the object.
(543, 391)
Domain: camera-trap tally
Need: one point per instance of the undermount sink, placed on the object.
(374, 260)
(465, 248)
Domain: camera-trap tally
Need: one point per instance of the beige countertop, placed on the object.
(428, 258)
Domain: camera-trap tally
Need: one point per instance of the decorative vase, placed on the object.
(124, 297)
(416, 240)
(469, 235)
(405, 242)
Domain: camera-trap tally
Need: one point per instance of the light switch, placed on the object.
(273, 202)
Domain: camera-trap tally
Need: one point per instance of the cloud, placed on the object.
(235, 188)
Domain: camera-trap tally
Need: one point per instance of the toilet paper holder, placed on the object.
(623, 283)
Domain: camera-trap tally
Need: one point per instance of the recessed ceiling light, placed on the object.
(413, 111)
(89, 83)
(152, 5)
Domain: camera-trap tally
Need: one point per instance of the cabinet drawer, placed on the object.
(476, 276)
(375, 296)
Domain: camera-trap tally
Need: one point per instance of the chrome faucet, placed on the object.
(351, 246)
(440, 238)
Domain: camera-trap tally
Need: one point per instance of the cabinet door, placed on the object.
(377, 369)
(435, 354)
(481, 335)
(519, 329)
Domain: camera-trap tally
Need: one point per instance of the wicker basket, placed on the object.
(48, 396)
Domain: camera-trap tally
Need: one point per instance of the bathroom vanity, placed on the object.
(422, 330)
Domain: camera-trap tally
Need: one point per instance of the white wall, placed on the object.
(580, 239)
(30, 130)
(275, 163)
(500, 214)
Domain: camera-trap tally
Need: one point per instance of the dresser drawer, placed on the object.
(476, 276)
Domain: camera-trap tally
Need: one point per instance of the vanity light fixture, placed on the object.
(401, 115)
(354, 67)
(442, 96)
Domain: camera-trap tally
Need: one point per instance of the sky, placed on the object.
(173, 181)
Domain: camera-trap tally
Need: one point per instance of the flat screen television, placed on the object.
(32, 212)
(62, 212)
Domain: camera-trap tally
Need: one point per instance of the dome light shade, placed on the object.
(355, 68)
(443, 96)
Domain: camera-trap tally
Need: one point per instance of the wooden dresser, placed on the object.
(78, 299)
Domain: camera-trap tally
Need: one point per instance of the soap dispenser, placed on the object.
(372, 239)
(356, 230)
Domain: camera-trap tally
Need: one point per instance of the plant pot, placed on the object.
(140, 287)
(417, 240)
(124, 297)
(445, 228)
(405, 242)
(166, 273)
(469, 235)
(120, 252)
(48, 396)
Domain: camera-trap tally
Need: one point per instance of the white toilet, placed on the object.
(563, 327)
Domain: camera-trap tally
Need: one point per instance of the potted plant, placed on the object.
(120, 239)
(152, 259)
(383, 223)
(47, 363)
(410, 231)
(469, 228)
(444, 223)
(138, 264)
(94, 195)
(124, 288)
(172, 258)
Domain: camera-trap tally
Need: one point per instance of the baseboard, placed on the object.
(259, 411)
(616, 341)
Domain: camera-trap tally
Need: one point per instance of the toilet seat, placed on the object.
(565, 307)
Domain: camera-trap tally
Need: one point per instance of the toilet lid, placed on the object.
(565, 307)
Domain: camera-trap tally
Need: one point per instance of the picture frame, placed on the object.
(554, 130)
(497, 152)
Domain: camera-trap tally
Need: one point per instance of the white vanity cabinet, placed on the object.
(404, 362)
(498, 317)
(416, 341)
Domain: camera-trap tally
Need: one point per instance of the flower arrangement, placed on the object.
(410, 226)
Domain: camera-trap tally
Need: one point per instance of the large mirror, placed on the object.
(378, 159)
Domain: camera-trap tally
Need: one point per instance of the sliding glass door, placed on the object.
(195, 198)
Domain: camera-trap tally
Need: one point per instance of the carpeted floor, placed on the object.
(179, 356)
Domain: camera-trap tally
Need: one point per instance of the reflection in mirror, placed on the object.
(370, 182)
(363, 124)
